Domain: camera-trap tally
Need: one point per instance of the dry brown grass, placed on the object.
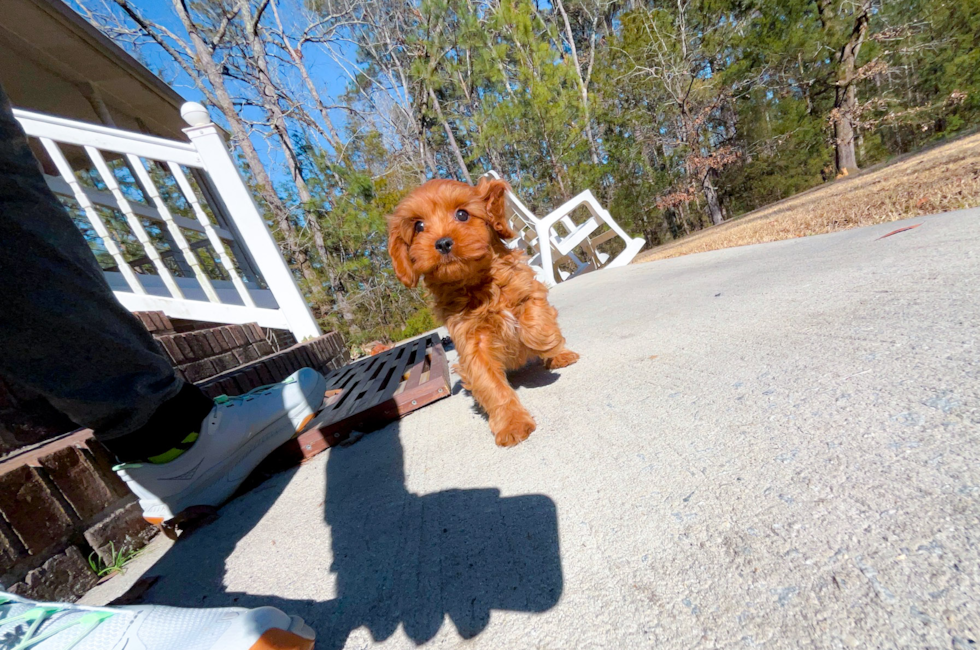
(944, 178)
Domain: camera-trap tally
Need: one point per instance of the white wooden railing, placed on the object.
(173, 223)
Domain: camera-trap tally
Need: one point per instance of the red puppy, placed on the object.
(451, 234)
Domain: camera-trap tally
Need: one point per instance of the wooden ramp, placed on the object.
(368, 394)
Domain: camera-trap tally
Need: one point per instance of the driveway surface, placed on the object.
(770, 446)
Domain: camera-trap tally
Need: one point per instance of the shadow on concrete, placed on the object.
(398, 558)
(411, 559)
(533, 375)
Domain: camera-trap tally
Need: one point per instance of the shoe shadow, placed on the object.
(397, 558)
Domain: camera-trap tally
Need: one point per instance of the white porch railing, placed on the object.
(172, 223)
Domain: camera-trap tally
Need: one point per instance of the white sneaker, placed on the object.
(238, 434)
(61, 626)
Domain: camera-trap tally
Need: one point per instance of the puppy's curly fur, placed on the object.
(498, 315)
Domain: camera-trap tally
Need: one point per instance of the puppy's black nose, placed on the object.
(444, 245)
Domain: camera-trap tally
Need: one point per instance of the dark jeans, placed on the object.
(64, 335)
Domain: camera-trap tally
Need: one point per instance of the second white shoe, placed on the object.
(63, 626)
(235, 437)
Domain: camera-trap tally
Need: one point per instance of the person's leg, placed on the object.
(62, 332)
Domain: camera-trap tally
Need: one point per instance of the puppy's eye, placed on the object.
(419, 226)
(462, 215)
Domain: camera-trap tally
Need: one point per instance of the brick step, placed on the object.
(201, 354)
(61, 505)
(158, 323)
(200, 351)
(155, 322)
(324, 353)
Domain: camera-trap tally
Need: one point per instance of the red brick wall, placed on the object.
(325, 353)
(56, 511)
(204, 353)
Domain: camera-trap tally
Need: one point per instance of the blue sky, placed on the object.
(329, 77)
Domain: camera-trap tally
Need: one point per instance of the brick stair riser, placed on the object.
(201, 354)
(155, 322)
(324, 353)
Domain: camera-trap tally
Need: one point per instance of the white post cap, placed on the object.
(195, 114)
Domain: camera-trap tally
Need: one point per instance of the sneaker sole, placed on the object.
(299, 636)
(276, 639)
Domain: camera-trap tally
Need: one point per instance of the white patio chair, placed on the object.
(546, 259)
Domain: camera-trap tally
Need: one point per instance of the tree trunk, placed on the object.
(683, 219)
(427, 156)
(331, 134)
(698, 174)
(582, 83)
(342, 304)
(449, 134)
(270, 102)
(845, 100)
(845, 157)
(711, 198)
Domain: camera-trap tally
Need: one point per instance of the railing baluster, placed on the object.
(226, 223)
(134, 223)
(151, 188)
(251, 228)
(68, 174)
(216, 243)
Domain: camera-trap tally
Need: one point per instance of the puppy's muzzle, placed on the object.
(444, 245)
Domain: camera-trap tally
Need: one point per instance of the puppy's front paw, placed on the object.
(516, 427)
(564, 358)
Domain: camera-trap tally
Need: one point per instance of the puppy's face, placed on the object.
(445, 230)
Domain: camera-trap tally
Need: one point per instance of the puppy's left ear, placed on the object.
(492, 191)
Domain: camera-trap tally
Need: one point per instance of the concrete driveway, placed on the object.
(771, 446)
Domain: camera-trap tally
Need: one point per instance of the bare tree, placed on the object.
(674, 63)
(254, 57)
(584, 76)
(333, 21)
(198, 57)
(381, 79)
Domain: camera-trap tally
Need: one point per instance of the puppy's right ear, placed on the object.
(398, 249)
